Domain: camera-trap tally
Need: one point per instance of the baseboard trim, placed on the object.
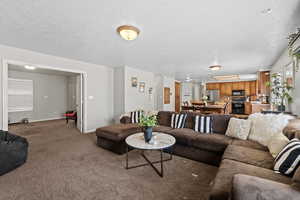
(89, 131)
(47, 119)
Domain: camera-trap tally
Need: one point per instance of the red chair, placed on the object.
(71, 115)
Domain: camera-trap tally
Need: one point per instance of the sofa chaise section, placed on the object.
(113, 137)
(222, 186)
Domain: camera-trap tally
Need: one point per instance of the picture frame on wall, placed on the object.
(134, 81)
(289, 74)
(142, 86)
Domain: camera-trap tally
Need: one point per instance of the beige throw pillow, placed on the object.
(265, 126)
(277, 143)
(238, 128)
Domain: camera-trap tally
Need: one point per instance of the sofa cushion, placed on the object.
(118, 132)
(251, 187)
(249, 156)
(249, 143)
(296, 177)
(223, 182)
(190, 119)
(183, 136)
(211, 142)
(164, 118)
(161, 128)
(220, 123)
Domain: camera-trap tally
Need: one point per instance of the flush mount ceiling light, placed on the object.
(128, 32)
(267, 11)
(29, 67)
(215, 67)
(229, 77)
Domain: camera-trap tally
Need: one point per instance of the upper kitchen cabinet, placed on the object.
(238, 85)
(262, 78)
(212, 86)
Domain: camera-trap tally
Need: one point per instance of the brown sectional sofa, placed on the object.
(233, 156)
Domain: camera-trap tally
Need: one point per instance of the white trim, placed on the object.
(47, 119)
(5, 63)
(4, 95)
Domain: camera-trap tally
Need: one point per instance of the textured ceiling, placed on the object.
(177, 37)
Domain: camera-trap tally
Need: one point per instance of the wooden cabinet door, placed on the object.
(228, 89)
(177, 96)
(209, 86)
(222, 90)
(247, 88)
(238, 85)
(253, 88)
(212, 86)
(235, 85)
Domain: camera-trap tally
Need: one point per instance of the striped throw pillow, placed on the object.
(178, 120)
(203, 124)
(135, 116)
(288, 160)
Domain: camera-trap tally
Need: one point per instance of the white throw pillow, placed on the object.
(277, 143)
(238, 128)
(265, 126)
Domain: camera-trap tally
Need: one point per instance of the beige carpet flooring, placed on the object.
(64, 164)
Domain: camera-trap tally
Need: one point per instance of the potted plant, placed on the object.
(205, 98)
(148, 121)
(280, 92)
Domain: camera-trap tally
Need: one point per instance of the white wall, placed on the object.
(133, 98)
(119, 92)
(49, 96)
(278, 66)
(170, 83)
(159, 92)
(99, 82)
(128, 98)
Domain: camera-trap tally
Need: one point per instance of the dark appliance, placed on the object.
(238, 92)
(238, 105)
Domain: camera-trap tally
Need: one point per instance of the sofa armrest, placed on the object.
(250, 187)
(125, 120)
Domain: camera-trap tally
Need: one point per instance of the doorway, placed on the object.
(177, 96)
(33, 93)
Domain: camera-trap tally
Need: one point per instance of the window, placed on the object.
(20, 95)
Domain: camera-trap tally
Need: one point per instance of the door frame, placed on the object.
(177, 82)
(6, 62)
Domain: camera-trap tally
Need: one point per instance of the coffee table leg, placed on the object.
(126, 156)
(161, 164)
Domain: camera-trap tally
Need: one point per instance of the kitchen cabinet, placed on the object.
(226, 88)
(238, 85)
(212, 86)
(252, 88)
(262, 78)
(247, 87)
(251, 107)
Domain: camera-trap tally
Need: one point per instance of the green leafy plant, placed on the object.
(281, 92)
(148, 120)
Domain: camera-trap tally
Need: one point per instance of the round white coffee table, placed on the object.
(159, 141)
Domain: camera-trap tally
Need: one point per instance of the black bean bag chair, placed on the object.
(13, 151)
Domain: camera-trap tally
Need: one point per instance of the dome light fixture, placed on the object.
(128, 32)
(215, 67)
(29, 67)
